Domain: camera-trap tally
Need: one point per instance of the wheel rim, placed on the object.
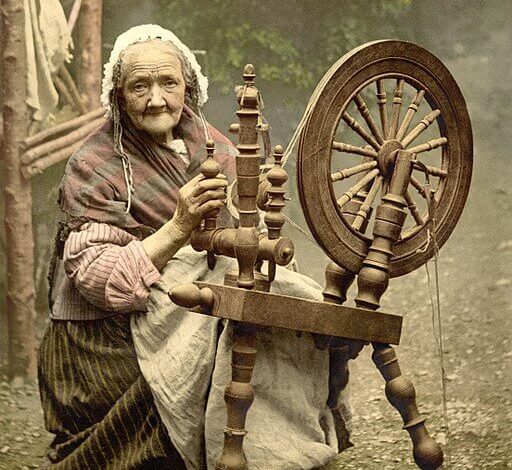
(349, 78)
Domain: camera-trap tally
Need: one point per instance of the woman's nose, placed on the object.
(156, 98)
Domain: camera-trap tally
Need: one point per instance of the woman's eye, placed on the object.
(138, 87)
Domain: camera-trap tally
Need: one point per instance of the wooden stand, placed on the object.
(372, 282)
(245, 297)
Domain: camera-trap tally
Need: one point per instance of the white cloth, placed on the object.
(178, 145)
(181, 354)
(48, 43)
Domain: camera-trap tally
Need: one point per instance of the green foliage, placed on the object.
(291, 43)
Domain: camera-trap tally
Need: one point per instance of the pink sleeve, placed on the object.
(109, 267)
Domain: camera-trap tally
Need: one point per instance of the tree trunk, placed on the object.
(18, 199)
(89, 49)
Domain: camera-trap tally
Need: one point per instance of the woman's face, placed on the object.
(153, 88)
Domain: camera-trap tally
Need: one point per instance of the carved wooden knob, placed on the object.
(190, 296)
(249, 74)
(210, 168)
(234, 128)
(277, 177)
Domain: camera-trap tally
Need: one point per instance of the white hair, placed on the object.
(142, 33)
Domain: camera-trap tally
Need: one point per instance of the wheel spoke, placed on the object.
(430, 145)
(347, 148)
(381, 101)
(397, 104)
(432, 170)
(353, 124)
(362, 214)
(422, 125)
(413, 209)
(348, 195)
(419, 187)
(342, 174)
(413, 107)
(365, 112)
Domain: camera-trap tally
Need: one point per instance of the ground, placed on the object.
(475, 284)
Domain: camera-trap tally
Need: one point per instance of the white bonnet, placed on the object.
(143, 33)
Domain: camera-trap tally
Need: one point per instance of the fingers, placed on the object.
(209, 184)
(210, 205)
(209, 195)
(198, 197)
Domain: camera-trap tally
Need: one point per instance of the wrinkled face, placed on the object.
(153, 88)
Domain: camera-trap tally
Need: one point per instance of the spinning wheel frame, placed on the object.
(352, 73)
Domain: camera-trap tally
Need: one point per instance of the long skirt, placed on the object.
(96, 401)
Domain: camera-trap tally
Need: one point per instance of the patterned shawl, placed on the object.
(94, 186)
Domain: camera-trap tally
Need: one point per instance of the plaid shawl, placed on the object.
(94, 186)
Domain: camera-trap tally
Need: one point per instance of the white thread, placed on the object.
(438, 336)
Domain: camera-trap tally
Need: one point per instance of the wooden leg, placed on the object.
(401, 394)
(337, 282)
(339, 353)
(239, 396)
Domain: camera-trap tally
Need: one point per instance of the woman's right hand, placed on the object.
(196, 198)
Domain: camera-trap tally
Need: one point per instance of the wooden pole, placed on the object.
(89, 48)
(18, 199)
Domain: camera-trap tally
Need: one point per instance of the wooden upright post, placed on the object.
(89, 49)
(18, 199)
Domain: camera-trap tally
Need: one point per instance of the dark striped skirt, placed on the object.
(96, 401)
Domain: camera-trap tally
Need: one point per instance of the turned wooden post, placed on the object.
(277, 177)
(239, 393)
(372, 282)
(247, 170)
(337, 283)
(274, 217)
(210, 169)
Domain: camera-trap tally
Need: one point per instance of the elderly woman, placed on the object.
(131, 195)
(129, 380)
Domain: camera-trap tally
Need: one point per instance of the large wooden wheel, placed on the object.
(379, 98)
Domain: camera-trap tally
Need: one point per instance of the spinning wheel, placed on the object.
(343, 200)
(357, 111)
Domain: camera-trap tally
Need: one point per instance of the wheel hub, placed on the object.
(387, 155)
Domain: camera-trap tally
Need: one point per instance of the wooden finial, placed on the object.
(210, 169)
(249, 74)
(277, 177)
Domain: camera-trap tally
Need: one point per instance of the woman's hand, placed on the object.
(195, 199)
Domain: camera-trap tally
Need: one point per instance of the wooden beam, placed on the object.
(282, 311)
(18, 199)
(89, 51)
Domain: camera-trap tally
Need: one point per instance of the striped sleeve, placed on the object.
(109, 267)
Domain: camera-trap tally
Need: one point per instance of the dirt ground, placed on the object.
(475, 280)
(475, 277)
